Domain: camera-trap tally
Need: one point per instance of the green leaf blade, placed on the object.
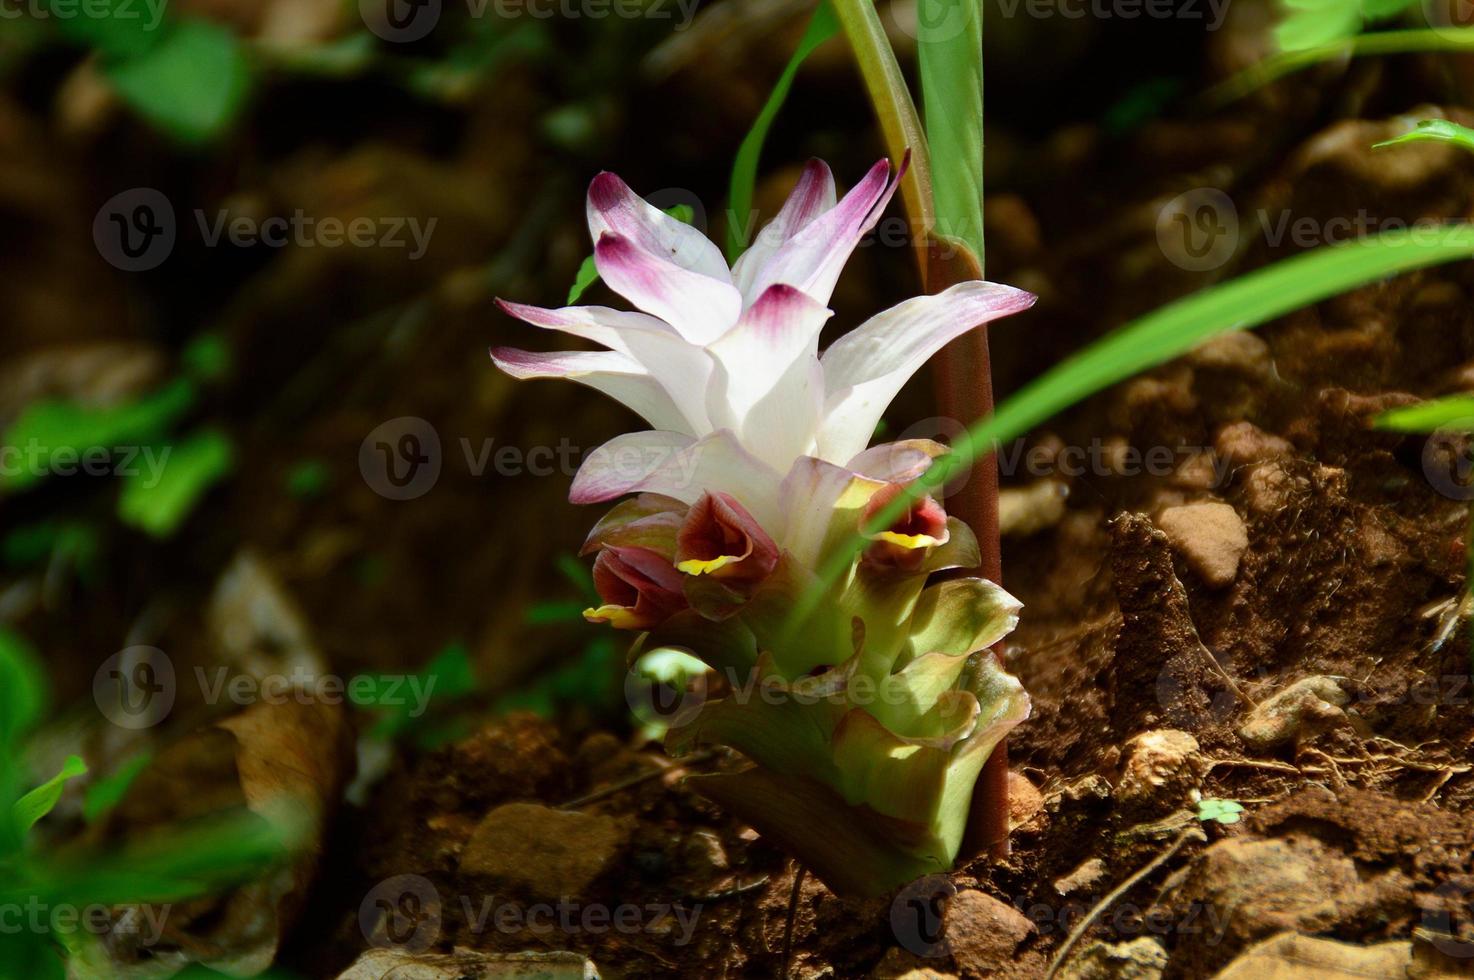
(40, 801)
(1456, 411)
(1434, 130)
(1158, 337)
(187, 473)
(742, 186)
(950, 58)
(191, 84)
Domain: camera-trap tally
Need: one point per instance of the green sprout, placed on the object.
(1219, 811)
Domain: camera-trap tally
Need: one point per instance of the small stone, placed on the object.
(1242, 443)
(1240, 352)
(1143, 958)
(1024, 800)
(1023, 511)
(1269, 489)
(1290, 956)
(1082, 879)
(376, 964)
(1210, 536)
(983, 932)
(900, 964)
(1199, 471)
(1306, 708)
(704, 854)
(1161, 768)
(552, 853)
(1243, 890)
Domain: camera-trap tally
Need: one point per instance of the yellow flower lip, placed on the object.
(911, 542)
(704, 566)
(620, 617)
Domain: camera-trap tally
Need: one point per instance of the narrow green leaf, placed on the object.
(950, 56)
(822, 26)
(1159, 336)
(191, 83)
(1438, 130)
(43, 799)
(172, 866)
(1430, 416)
(588, 272)
(159, 502)
(1315, 22)
(108, 792)
(886, 87)
(23, 693)
(1258, 75)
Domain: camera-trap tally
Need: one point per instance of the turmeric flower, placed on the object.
(724, 363)
(878, 710)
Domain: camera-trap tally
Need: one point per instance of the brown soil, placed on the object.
(1353, 557)
(1358, 826)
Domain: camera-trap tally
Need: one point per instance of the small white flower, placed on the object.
(724, 363)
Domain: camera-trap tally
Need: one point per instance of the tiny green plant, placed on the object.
(189, 864)
(1219, 811)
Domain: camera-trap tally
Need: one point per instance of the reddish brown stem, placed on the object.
(964, 381)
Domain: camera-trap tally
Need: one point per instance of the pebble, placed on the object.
(376, 964)
(1211, 537)
(1242, 443)
(551, 853)
(1161, 767)
(1290, 956)
(1240, 351)
(1082, 879)
(1143, 958)
(983, 932)
(1306, 708)
(1023, 511)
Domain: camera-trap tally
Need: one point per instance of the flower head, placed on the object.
(724, 363)
(756, 475)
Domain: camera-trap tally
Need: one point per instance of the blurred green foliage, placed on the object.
(163, 476)
(188, 864)
(1312, 23)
